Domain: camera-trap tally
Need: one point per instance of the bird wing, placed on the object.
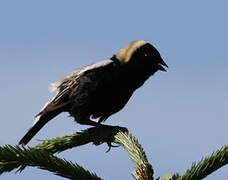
(79, 84)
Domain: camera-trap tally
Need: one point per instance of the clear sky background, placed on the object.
(178, 116)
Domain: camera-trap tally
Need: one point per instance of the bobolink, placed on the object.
(101, 89)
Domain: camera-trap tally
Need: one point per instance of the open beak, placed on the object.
(162, 63)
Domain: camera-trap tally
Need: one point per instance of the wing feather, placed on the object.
(78, 84)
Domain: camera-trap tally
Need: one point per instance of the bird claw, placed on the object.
(110, 146)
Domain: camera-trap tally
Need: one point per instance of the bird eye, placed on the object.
(145, 54)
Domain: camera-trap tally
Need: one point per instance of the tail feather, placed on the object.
(41, 119)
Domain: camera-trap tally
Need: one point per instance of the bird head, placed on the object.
(141, 55)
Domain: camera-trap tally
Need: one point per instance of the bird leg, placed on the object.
(109, 129)
(88, 122)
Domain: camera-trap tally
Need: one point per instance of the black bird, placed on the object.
(99, 90)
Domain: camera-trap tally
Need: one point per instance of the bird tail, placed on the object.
(40, 120)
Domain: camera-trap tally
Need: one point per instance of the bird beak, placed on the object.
(162, 63)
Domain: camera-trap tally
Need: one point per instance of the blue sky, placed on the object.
(178, 116)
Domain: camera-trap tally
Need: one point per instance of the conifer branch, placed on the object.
(99, 135)
(207, 165)
(144, 169)
(41, 156)
(95, 135)
(18, 158)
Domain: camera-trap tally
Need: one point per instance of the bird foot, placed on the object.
(105, 134)
(112, 131)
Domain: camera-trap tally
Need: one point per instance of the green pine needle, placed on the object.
(41, 156)
(207, 165)
(18, 158)
(144, 169)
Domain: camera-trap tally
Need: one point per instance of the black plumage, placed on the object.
(101, 89)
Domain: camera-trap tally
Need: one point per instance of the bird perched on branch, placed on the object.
(99, 90)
